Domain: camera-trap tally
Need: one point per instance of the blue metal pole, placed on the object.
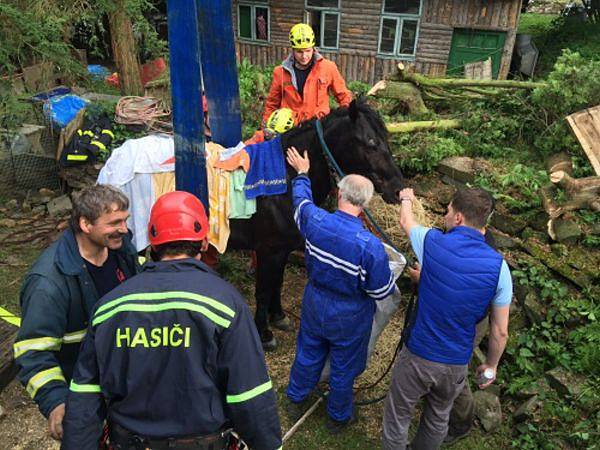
(186, 89)
(219, 70)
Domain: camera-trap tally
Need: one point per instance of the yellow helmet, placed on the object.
(280, 121)
(302, 36)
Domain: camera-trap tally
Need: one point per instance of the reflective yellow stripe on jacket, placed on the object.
(42, 378)
(46, 343)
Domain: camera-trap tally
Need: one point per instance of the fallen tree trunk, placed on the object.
(422, 80)
(407, 93)
(408, 127)
(582, 193)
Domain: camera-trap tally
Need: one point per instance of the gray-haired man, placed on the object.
(348, 270)
(60, 290)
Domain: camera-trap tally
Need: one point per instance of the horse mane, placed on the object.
(364, 109)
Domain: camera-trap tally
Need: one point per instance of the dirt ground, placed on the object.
(22, 427)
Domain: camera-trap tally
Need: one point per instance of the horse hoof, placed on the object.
(284, 324)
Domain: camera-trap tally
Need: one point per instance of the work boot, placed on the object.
(336, 427)
(282, 323)
(295, 410)
(267, 340)
(453, 437)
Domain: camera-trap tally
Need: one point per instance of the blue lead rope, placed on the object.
(338, 171)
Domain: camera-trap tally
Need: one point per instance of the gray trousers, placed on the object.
(463, 411)
(415, 378)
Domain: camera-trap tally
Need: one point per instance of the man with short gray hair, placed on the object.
(348, 270)
(60, 290)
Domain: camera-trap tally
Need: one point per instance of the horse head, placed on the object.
(358, 139)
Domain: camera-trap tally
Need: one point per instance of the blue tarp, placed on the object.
(98, 72)
(61, 110)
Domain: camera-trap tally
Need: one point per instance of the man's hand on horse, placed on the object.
(297, 161)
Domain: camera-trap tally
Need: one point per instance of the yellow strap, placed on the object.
(10, 317)
(41, 344)
(141, 260)
(98, 144)
(74, 337)
(79, 132)
(77, 157)
(42, 378)
(110, 133)
(89, 133)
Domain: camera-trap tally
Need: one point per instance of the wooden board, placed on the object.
(481, 70)
(586, 126)
(8, 368)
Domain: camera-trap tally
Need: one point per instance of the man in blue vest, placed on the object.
(461, 278)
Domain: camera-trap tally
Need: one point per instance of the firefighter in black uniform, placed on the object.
(172, 359)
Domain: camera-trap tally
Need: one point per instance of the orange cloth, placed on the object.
(323, 77)
(257, 138)
(240, 159)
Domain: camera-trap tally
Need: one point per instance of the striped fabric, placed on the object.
(151, 302)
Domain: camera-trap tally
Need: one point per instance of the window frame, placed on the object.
(253, 4)
(399, 18)
(323, 10)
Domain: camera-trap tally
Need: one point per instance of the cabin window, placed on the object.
(399, 27)
(254, 21)
(324, 17)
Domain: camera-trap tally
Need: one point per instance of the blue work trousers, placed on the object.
(348, 357)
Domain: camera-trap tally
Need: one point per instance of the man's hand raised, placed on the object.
(300, 163)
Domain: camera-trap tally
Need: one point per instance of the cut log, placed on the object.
(559, 161)
(407, 93)
(408, 127)
(582, 193)
(550, 206)
(422, 80)
(125, 50)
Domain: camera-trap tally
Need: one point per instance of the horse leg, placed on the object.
(269, 278)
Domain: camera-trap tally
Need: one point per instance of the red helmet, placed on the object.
(177, 216)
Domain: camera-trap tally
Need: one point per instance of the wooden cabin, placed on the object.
(367, 38)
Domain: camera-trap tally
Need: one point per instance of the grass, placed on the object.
(552, 34)
(536, 24)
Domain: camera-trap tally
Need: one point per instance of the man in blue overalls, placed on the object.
(348, 270)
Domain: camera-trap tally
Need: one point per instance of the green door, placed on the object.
(475, 45)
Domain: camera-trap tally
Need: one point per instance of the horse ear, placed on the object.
(353, 111)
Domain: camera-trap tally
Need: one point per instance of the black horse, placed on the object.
(357, 138)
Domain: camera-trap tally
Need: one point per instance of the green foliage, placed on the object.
(564, 33)
(421, 152)
(254, 84)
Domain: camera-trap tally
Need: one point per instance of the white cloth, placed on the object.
(229, 152)
(144, 155)
(141, 198)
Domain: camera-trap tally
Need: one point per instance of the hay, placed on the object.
(387, 217)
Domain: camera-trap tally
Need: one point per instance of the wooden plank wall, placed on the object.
(359, 34)
(440, 17)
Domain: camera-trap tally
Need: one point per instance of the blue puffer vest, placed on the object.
(458, 282)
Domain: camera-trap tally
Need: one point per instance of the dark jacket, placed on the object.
(172, 352)
(57, 297)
